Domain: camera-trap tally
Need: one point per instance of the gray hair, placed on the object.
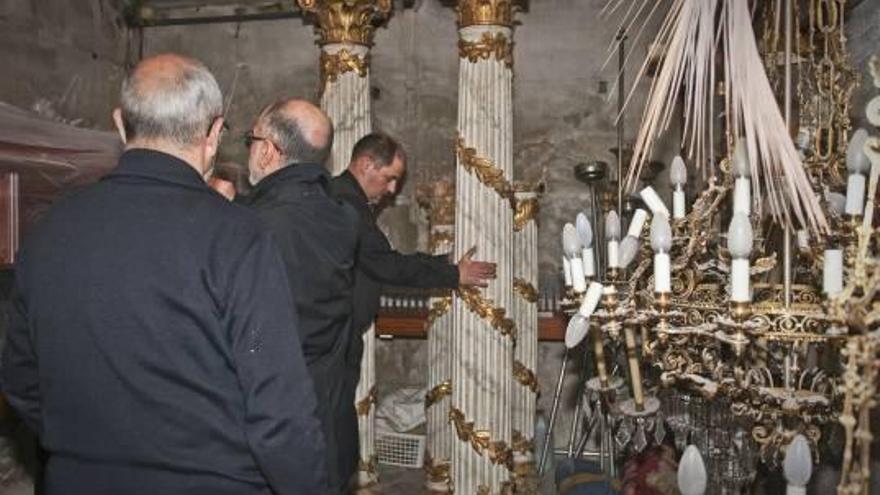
(288, 134)
(178, 105)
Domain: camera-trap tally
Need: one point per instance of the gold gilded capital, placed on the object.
(347, 21)
(485, 13)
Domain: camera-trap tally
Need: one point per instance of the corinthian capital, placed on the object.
(347, 21)
(486, 12)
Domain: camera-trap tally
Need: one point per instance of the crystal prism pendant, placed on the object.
(624, 433)
(659, 431)
(639, 440)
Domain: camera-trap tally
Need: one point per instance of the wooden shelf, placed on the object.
(411, 325)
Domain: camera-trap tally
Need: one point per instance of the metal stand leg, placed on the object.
(554, 410)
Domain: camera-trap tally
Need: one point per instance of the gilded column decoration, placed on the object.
(483, 331)
(525, 314)
(438, 198)
(345, 31)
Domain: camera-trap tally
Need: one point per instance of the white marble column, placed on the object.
(439, 198)
(525, 314)
(483, 333)
(345, 97)
(345, 31)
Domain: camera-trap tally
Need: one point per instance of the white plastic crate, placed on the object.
(401, 449)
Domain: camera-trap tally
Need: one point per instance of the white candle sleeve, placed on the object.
(589, 262)
(742, 196)
(637, 223)
(566, 271)
(678, 209)
(662, 273)
(613, 256)
(795, 490)
(578, 282)
(652, 199)
(832, 272)
(855, 194)
(740, 291)
(803, 240)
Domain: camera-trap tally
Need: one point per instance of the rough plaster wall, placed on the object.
(68, 57)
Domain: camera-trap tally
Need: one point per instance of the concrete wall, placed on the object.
(64, 58)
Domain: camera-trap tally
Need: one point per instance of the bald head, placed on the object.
(302, 131)
(170, 98)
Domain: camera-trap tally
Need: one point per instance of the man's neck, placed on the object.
(189, 156)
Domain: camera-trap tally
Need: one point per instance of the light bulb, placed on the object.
(585, 232)
(836, 202)
(856, 159)
(571, 244)
(629, 247)
(741, 166)
(739, 236)
(798, 464)
(612, 226)
(637, 223)
(692, 472)
(677, 172)
(661, 234)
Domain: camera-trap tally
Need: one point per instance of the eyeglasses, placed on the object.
(250, 138)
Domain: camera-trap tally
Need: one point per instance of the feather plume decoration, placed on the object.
(687, 43)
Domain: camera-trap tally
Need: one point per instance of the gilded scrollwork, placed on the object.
(437, 392)
(525, 376)
(483, 169)
(489, 46)
(336, 64)
(485, 308)
(498, 452)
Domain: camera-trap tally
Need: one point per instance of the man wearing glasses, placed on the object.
(288, 146)
(152, 343)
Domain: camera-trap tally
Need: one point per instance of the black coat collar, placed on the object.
(293, 176)
(151, 164)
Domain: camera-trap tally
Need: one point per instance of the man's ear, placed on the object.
(120, 126)
(212, 143)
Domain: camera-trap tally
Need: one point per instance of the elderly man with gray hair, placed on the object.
(153, 344)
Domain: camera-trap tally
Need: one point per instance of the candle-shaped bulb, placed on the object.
(612, 226)
(798, 463)
(741, 165)
(571, 244)
(637, 223)
(584, 230)
(692, 475)
(856, 159)
(677, 172)
(739, 236)
(629, 248)
(661, 234)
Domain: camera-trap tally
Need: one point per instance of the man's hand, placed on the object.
(224, 187)
(476, 273)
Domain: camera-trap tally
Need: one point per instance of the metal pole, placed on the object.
(621, 36)
(787, 107)
(556, 396)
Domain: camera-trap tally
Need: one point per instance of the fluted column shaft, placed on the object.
(439, 328)
(525, 314)
(483, 335)
(345, 97)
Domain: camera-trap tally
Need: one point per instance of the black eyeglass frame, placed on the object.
(249, 138)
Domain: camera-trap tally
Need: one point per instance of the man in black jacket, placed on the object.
(153, 343)
(377, 166)
(288, 146)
